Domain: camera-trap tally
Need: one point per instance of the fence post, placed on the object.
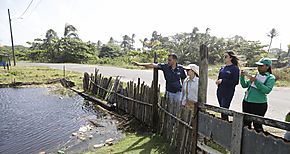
(237, 133)
(155, 97)
(202, 91)
(86, 81)
(64, 71)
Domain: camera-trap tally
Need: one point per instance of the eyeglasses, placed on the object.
(226, 56)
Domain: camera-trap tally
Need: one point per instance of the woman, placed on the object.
(227, 80)
(255, 99)
(190, 86)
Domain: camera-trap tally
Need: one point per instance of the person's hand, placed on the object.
(219, 81)
(243, 73)
(135, 63)
(252, 79)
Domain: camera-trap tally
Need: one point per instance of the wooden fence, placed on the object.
(175, 123)
(181, 126)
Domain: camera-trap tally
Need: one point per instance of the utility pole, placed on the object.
(14, 61)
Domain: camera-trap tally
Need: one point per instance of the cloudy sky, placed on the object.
(101, 19)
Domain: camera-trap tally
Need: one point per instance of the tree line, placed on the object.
(70, 48)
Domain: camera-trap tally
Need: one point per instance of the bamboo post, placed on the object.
(202, 91)
(86, 81)
(155, 97)
(64, 71)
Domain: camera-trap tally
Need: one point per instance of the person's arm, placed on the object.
(183, 90)
(147, 65)
(244, 83)
(219, 80)
(235, 79)
(267, 87)
(183, 75)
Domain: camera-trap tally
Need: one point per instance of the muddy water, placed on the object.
(33, 120)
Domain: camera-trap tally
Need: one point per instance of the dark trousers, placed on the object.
(224, 99)
(256, 109)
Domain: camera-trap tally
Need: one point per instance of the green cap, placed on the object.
(264, 61)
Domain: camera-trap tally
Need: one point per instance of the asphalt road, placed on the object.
(278, 99)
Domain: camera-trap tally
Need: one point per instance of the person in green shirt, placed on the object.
(255, 99)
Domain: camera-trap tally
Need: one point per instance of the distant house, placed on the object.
(4, 60)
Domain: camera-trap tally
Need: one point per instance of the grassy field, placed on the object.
(36, 74)
(134, 143)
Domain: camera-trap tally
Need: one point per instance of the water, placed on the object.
(33, 120)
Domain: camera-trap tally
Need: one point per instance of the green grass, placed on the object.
(282, 77)
(36, 74)
(133, 143)
(213, 71)
(217, 147)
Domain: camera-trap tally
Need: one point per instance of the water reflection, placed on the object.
(32, 120)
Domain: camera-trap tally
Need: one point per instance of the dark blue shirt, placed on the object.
(172, 77)
(230, 78)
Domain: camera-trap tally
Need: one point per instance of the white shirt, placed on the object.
(192, 90)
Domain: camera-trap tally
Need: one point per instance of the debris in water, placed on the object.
(60, 152)
(91, 136)
(109, 143)
(109, 140)
(98, 145)
(82, 138)
(85, 128)
(95, 123)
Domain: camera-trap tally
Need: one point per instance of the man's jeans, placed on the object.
(174, 97)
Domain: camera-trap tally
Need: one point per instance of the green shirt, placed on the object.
(259, 93)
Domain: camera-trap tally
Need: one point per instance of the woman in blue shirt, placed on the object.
(227, 80)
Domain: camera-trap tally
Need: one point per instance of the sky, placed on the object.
(102, 19)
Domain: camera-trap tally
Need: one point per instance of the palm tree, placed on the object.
(126, 42)
(111, 41)
(273, 33)
(132, 40)
(99, 45)
(50, 34)
(70, 31)
(155, 36)
(288, 55)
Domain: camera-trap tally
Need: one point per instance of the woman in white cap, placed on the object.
(190, 86)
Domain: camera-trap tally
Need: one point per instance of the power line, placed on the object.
(37, 4)
(26, 9)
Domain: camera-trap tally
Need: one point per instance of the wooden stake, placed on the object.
(202, 91)
(155, 97)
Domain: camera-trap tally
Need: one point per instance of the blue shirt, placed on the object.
(230, 78)
(172, 77)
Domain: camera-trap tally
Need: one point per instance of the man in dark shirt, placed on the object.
(174, 75)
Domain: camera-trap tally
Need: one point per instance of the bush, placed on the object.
(282, 76)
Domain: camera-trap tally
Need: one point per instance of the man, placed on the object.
(174, 75)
